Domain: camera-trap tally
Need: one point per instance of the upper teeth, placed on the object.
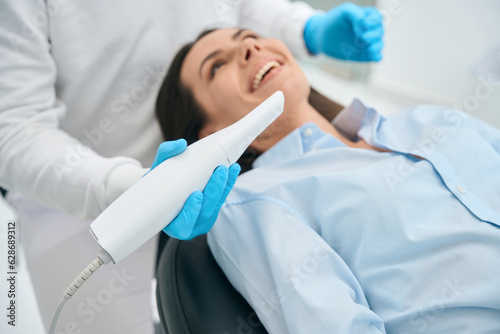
(258, 76)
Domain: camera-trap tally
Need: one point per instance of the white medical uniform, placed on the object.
(78, 86)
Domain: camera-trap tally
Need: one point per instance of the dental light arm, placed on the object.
(141, 212)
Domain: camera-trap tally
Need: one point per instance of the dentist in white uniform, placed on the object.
(78, 84)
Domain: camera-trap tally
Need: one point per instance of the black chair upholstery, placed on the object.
(195, 297)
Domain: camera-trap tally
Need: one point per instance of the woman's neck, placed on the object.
(310, 115)
(294, 119)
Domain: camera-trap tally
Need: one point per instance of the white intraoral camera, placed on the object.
(156, 199)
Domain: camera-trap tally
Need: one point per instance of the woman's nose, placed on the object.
(249, 48)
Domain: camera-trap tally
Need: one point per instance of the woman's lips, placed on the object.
(269, 75)
(268, 65)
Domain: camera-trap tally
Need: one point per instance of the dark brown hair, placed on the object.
(180, 116)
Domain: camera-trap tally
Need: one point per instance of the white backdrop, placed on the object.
(432, 50)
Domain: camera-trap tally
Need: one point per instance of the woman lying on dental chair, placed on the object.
(361, 225)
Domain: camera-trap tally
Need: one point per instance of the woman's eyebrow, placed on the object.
(235, 36)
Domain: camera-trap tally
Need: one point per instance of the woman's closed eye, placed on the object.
(215, 66)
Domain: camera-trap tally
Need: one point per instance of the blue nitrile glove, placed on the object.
(347, 32)
(201, 208)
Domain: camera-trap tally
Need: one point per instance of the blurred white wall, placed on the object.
(432, 52)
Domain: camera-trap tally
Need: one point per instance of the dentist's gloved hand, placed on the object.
(201, 208)
(347, 32)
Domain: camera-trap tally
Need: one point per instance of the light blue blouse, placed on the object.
(323, 238)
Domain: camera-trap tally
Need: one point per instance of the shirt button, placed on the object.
(308, 132)
(461, 189)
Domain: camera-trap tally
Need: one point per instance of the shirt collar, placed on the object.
(358, 121)
(349, 120)
(354, 121)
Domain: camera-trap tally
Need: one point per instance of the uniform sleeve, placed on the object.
(38, 159)
(279, 19)
(287, 272)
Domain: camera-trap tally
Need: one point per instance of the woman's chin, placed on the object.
(292, 90)
(295, 94)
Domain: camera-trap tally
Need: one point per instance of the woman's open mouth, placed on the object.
(265, 72)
